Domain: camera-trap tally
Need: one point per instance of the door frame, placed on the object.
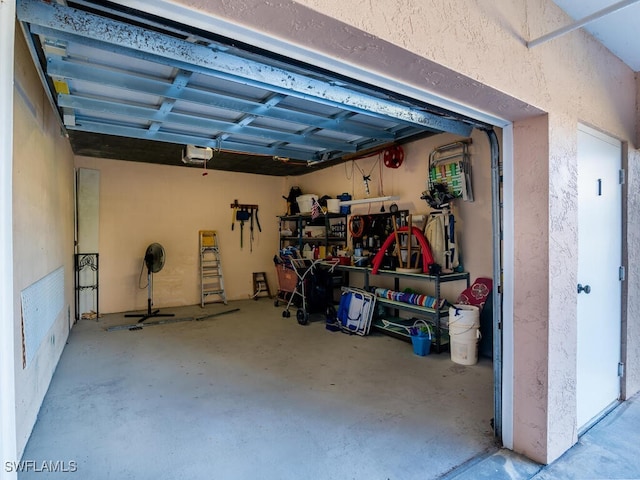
(624, 294)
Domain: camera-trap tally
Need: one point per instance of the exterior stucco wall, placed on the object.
(637, 142)
(531, 286)
(475, 53)
(632, 327)
(43, 205)
(486, 41)
(563, 268)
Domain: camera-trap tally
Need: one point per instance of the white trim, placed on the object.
(8, 443)
(508, 261)
(599, 135)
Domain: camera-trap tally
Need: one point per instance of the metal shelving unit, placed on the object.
(435, 316)
(334, 232)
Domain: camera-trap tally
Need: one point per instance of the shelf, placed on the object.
(331, 235)
(318, 239)
(444, 277)
(400, 332)
(312, 240)
(388, 198)
(411, 307)
(307, 216)
(433, 316)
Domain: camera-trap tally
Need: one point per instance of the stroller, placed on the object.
(311, 289)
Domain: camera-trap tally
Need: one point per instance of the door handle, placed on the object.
(586, 289)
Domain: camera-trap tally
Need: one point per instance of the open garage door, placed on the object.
(123, 79)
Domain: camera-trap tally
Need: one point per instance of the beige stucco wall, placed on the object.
(475, 53)
(531, 285)
(142, 203)
(42, 229)
(637, 142)
(632, 326)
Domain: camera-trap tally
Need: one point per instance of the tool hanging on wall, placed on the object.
(234, 210)
(254, 213)
(449, 174)
(258, 220)
(366, 178)
(243, 213)
(393, 156)
(251, 232)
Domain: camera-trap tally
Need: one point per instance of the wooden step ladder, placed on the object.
(260, 285)
(211, 279)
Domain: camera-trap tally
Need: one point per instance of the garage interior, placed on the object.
(249, 390)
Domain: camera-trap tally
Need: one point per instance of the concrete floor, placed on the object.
(608, 451)
(253, 395)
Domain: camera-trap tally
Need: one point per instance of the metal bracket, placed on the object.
(581, 23)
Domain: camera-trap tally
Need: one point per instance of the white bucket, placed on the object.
(464, 333)
(305, 202)
(333, 205)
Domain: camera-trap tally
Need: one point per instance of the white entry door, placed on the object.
(599, 262)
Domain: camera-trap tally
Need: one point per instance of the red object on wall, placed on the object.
(427, 257)
(393, 156)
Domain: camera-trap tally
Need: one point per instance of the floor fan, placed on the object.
(154, 260)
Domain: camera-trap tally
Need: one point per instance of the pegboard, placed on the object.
(42, 302)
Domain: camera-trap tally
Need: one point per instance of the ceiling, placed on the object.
(134, 87)
(616, 30)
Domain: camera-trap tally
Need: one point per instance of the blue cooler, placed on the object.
(345, 210)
